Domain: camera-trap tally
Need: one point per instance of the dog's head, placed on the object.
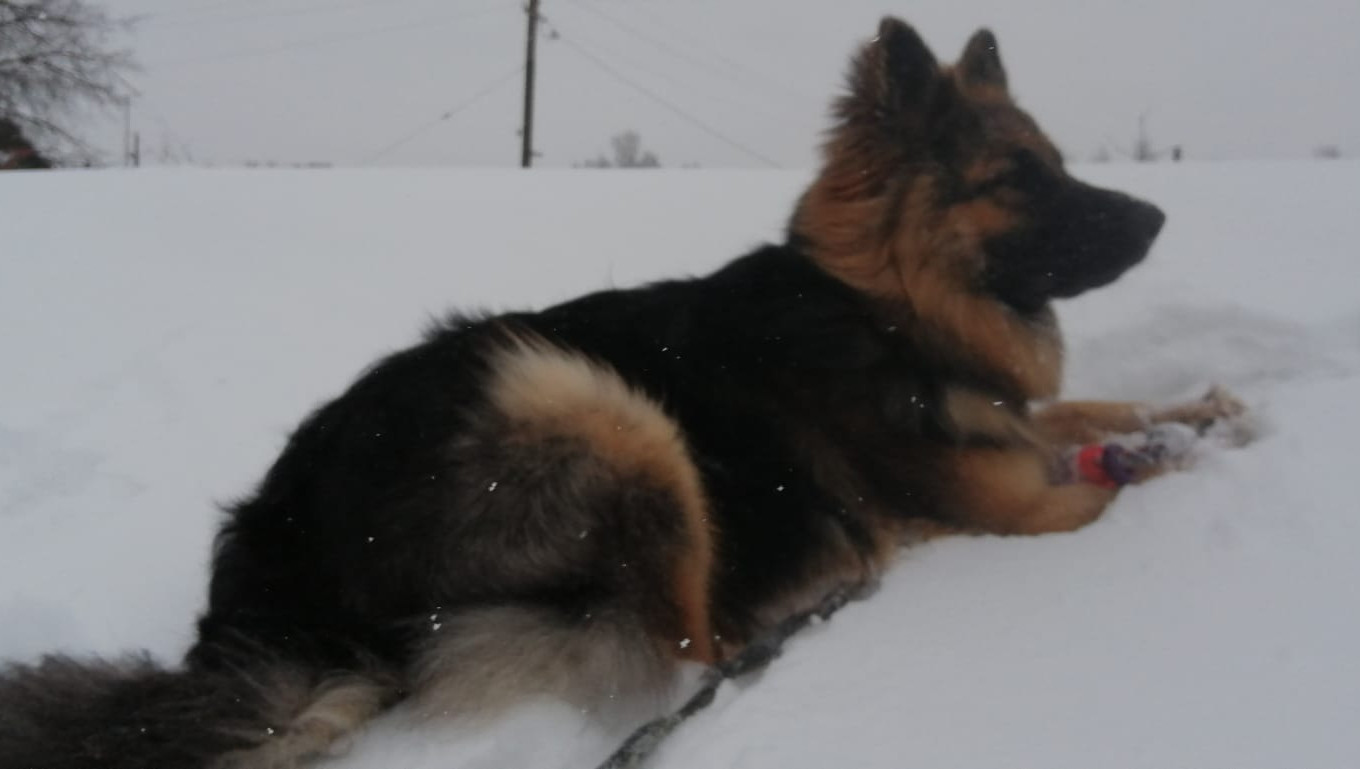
(936, 183)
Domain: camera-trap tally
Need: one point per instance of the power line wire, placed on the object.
(669, 105)
(467, 103)
(184, 11)
(656, 18)
(743, 102)
(327, 40)
(655, 40)
(730, 63)
(306, 10)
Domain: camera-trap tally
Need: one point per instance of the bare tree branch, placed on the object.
(58, 58)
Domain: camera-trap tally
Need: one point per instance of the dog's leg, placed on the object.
(1077, 422)
(581, 561)
(599, 589)
(1011, 491)
(315, 721)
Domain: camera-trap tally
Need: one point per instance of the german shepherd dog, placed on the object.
(575, 501)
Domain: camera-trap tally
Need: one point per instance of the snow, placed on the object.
(163, 330)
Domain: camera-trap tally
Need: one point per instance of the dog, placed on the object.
(578, 501)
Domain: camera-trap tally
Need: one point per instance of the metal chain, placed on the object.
(647, 738)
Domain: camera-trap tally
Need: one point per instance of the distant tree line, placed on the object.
(628, 153)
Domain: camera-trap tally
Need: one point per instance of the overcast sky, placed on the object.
(715, 82)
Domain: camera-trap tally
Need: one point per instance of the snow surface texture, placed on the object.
(163, 330)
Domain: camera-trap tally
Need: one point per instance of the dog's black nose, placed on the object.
(1150, 219)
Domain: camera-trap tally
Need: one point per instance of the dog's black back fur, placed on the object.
(758, 362)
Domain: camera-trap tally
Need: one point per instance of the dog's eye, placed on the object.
(1024, 172)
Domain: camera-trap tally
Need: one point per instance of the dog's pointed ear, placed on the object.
(895, 73)
(980, 64)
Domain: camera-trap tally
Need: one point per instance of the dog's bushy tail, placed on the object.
(63, 713)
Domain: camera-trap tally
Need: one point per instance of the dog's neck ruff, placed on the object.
(1018, 356)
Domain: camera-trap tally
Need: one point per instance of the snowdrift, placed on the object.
(162, 330)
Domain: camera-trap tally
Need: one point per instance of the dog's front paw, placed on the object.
(1216, 405)
(1219, 416)
(1221, 404)
(1233, 425)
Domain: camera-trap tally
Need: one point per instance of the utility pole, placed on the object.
(1143, 151)
(526, 154)
(127, 130)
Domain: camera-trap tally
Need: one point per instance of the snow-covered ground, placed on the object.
(161, 331)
